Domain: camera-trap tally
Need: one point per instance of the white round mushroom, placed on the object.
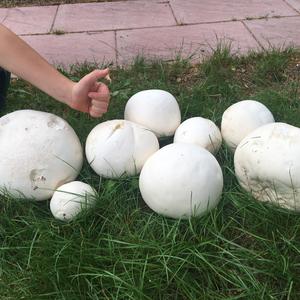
(38, 152)
(267, 164)
(119, 147)
(241, 118)
(181, 180)
(70, 199)
(157, 110)
(199, 131)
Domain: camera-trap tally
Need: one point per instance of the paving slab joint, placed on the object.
(6, 15)
(54, 19)
(173, 13)
(292, 7)
(252, 34)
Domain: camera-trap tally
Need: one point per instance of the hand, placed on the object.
(89, 95)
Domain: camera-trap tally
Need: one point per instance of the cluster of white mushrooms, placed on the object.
(41, 156)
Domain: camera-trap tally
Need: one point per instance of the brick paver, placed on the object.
(77, 47)
(188, 40)
(113, 15)
(195, 11)
(276, 32)
(30, 20)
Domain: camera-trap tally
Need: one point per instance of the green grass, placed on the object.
(243, 249)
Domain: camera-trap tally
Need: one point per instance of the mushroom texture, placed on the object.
(119, 147)
(38, 152)
(267, 164)
(157, 110)
(70, 199)
(181, 180)
(241, 118)
(199, 131)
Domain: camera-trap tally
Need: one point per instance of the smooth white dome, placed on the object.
(70, 199)
(157, 110)
(38, 152)
(241, 118)
(118, 147)
(181, 180)
(267, 164)
(199, 131)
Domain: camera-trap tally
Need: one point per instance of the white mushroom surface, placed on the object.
(70, 199)
(38, 152)
(241, 118)
(157, 110)
(181, 180)
(199, 131)
(119, 147)
(267, 164)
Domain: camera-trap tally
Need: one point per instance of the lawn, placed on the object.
(243, 249)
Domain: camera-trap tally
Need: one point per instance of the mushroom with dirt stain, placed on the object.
(119, 147)
(38, 151)
(72, 198)
(267, 164)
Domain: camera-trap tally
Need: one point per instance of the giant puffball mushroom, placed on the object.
(181, 180)
(119, 147)
(38, 152)
(70, 199)
(241, 118)
(199, 131)
(267, 164)
(157, 110)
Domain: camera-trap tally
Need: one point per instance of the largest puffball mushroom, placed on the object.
(267, 164)
(38, 152)
(241, 118)
(119, 147)
(157, 110)
(181, 180)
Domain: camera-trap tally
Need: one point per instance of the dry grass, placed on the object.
(13, 3)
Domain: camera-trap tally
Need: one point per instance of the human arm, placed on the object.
(88, 95)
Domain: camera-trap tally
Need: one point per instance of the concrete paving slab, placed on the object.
(194, 40)
(74, 48)
(113, 15)
(295, 4)
(3, 13)
(30, 20)
(276, 32)
(195, 11)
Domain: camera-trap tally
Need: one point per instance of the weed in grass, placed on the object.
(271, 66)
(59, 32)
(244, 249)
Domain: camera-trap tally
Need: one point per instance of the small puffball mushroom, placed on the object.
(241, 118)
(267, 164)
(38, 152)
(119, 147)
(157, 110)
(181, 180)
(70, 199)
(199, 131)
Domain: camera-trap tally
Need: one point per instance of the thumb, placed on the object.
(95, 75)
